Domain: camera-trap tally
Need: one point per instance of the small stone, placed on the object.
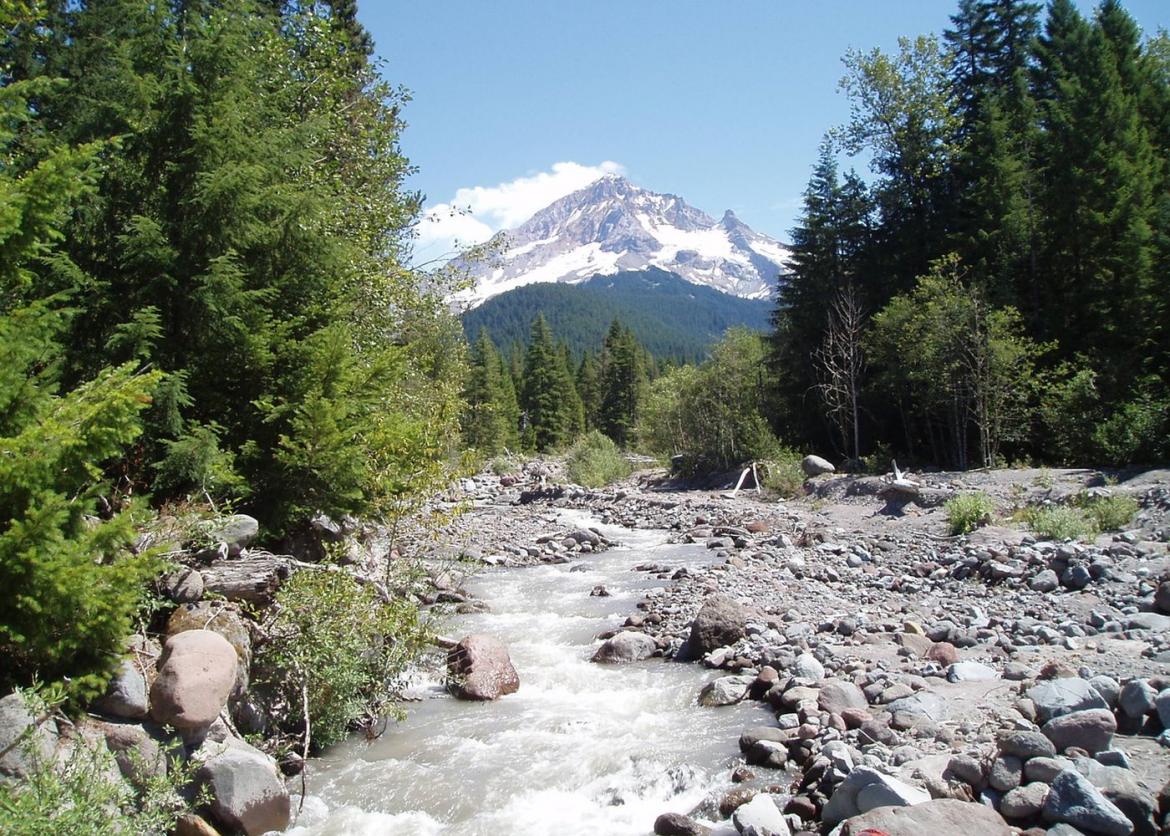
(1024, 802)
(970, 672)
(726, 690)
(676, 824)
(1025, 744)
(1007, 772)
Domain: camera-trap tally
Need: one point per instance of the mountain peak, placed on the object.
(614, 225)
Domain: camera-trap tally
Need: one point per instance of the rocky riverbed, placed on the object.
(920, 683)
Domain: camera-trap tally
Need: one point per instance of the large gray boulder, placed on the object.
(1122, 787)
(479, 668)
(1072, 799)
(140, 751)
(247, 793)
(196, 675)
(815, 466)
(626, 646)
(1054, 697)
(719, 623)
(930, 818)
(23, 742)
(866, 789)
(760, 817)
(236, 531)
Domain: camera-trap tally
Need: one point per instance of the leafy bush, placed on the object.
(503, 465)
(83, 796)
(339, 641)
(712, 415)
(1059, 522)
(782, 473)
(1109, 513)
(968, 511)
(595, 460)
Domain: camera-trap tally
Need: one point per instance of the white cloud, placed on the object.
(476, 213)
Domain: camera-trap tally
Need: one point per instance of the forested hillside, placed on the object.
(996, 287)
(671, 317)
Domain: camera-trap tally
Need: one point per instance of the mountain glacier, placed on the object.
(612, 225)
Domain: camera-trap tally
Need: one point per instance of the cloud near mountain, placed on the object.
(474, 214)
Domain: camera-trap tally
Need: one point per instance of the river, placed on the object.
(579, 749)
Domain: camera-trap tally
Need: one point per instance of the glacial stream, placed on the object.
(579, 749)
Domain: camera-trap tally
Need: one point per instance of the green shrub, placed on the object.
(968, 511)
(595, 461)
(337, 639)
(782, 473)
(503, 465)
(82, 796)
(1059, 522)
(1109, 513)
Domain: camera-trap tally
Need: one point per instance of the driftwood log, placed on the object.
(253, 578)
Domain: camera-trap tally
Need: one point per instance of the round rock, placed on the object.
(479, 668)
(196, 674)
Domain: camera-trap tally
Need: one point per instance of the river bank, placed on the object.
(884, 648)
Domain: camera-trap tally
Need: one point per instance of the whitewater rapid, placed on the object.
(579, 749)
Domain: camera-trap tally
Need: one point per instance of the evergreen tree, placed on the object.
(71, 583)
(589, 388)
(490, 420)
(247, 237)
(622, 384)
(548, 408)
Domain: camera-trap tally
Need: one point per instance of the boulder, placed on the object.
(190, 824)
(719, 623)
(807, 667)
(930, 818)
(183, 586)
(1162, 597)
(138, 750)
(760, 817)
(726, 690)
(924, 705)
(1054, 697)
(218, 618)
(125, 696)
(1137, 699)
(1072, 799)
(1025, 744)
(1162, 706)
(1024, 802)
(676, 824)
(626, 646)
(970, 672)
(866, 789)
(816, 466)
(196, 674)
(1089, 730)
(1148, 621)
(1122, 787)
(1007, 772)
(837, 695)
(236, 531)
(247, 793)
(23, 741)
(479, 668)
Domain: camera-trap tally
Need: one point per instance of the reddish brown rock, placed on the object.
(478, 668)
(943, 652)
(196, 674)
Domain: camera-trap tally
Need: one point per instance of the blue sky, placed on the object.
(517, 103)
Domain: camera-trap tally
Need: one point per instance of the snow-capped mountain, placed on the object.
(612, 225)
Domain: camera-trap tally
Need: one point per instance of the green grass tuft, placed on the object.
(968, 511)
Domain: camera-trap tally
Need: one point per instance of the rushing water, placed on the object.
(579, 749)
